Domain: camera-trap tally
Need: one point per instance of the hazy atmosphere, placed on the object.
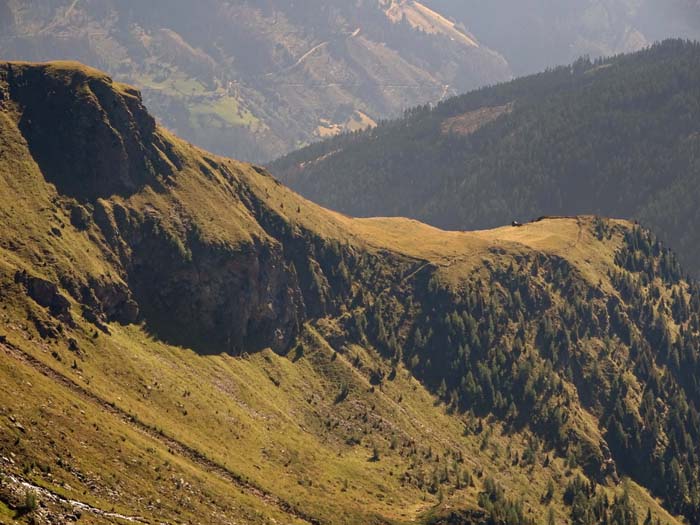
(350, 262)
(256, 79)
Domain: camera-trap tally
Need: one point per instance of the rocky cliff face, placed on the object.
(91, 137)
(213, 298)
(95, 141)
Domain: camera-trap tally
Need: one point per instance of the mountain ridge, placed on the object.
(203, 345)
(584, 138)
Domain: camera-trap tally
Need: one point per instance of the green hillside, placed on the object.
(616, 137)
(185, 340)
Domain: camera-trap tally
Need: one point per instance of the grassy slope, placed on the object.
(269, 421)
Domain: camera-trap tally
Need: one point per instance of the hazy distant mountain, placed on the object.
(536, 34)
(256, 78)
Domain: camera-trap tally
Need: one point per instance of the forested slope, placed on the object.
(616, 137)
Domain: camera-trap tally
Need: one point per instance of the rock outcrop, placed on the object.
(91, 136)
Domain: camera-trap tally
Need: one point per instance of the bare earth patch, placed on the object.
(470, 122)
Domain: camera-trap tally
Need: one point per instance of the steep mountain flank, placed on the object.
(185, 340)
(536, 34)
(255, 78)
(615, 137)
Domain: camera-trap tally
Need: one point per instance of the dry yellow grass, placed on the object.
(470, 122)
